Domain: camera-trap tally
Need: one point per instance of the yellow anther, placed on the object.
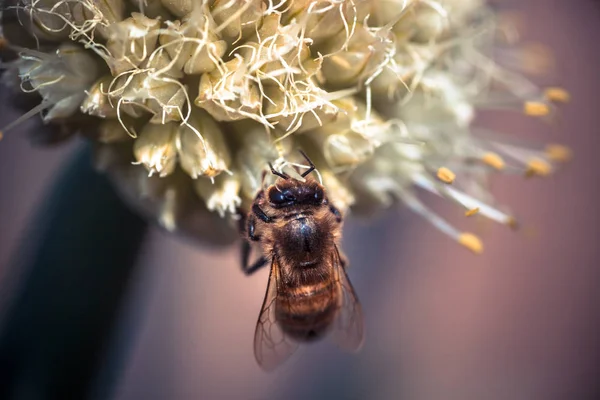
(212, 172)
(445, 175)
(536, 109)
(471, 212)
(538, 167)
(557, 94)
(558, 153)
(537, 59)
(471, 242)
(493, 160)
(1, 135)
(512, 223)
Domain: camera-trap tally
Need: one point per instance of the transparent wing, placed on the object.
(271, 345)
(349, 327)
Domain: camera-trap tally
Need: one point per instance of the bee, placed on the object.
(308, 295)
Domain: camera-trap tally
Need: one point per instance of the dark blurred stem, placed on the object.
(73, 278)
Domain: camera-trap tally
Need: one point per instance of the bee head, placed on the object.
(288, 191)
(291, 192)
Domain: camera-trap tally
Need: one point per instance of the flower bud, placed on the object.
(97, 102)
(45, 19)
(324, 18)
(130, 42)
(422, 23)
(193, 44)
(155, 90)
(156, 148)
(222, 195)
(61, 78)
(238, 18)
(228, 94)
(103, 13)
(201, 146)
(300, 109)
(111, 131)
(180, 8)
(383, 13)
(152, 9)
(355, 59)
(256, 148)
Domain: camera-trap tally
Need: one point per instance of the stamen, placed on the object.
(536, 109)
(557, 94)
(35, 110)
(438, 222)
(538, 167)
(469, 203)
(471, 242)
(471, 212)
(445, 175)
(512, 223)
(493, 160)
(558, 153)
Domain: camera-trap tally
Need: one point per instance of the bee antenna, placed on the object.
(312, 166)
(279, 174)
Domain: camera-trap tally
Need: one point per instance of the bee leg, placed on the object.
(258, 264)
(245, 254)
(250, 269)
(251, 229)
(336, 212)
(246, 248)
(261, 214)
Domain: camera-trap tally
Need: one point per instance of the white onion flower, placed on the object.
(381, 94)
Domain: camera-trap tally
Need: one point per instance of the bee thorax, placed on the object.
(303, 240)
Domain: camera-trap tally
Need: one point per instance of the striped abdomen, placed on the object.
(306, 312)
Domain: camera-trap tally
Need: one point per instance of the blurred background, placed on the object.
(521, 321)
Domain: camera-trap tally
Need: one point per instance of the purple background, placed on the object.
(518, 322)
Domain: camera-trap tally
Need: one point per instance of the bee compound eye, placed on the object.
(277, 197)
(289, 196)
(318, 194)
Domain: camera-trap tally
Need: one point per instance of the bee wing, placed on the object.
(271, 345)
(349, 328)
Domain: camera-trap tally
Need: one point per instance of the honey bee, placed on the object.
(308, 295)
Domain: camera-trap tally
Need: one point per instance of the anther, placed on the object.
(558, 95)
(493, 160)
(558, 153)
(471, 212)
(512, 223)
(538, 167)
(536, 109)
(471, 242)
(445, 175)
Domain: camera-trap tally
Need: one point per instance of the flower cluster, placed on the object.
(194, 98)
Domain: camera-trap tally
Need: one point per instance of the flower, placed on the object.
(198, 96)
